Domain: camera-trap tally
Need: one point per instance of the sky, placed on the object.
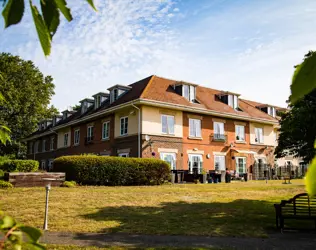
(244, 46)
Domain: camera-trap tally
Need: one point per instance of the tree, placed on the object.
(27, 93)
(46, 24)
(304, 83)
(297, 132)
(4, 130)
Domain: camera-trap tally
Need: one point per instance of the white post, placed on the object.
(139, 139)
(46, 207)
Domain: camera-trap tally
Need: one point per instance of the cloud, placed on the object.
(248, 47)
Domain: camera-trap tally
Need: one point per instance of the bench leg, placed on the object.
(277, 222)
(282, 223)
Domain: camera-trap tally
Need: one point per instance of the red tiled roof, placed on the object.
(159, 89)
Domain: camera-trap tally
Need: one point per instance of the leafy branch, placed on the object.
(303, 82)
(46, 22)
(12, 234)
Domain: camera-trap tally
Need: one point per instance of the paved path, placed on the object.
(288, 240)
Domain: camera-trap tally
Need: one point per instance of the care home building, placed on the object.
(194, 128)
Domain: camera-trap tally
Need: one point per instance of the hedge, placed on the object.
(19, 166)
(112, 171)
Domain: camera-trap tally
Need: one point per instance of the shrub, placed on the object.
(5, 184)
(1, 175)
(69, 184)
(19, 166)
(112, 171)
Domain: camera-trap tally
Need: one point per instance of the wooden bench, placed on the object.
(300, 207)
(287, 180)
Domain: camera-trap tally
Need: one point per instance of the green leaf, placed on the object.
(17, 247)
(51, 15)
(62, 6)
(304, 78)
(4, 134)
(7, 222)
(13, 12)
(34, 246)
(310, 179)
(33, 233)
(92, 4)
(42, 31)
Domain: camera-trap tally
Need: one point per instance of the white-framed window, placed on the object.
(195, 163)
(271, 111)
(50, 164)
(240, 132)
(170, 158)
(115, 94)
(123, 155)
(219, 132)
(259, 135)
(31, 148)
(98, 101)
(43, 145)
(233, 101)
(124, 125)
(90, 133)
(194, 127)
(186, 91)
(76, 137)
(106, 130)
(192, 93)
(241, 165)
(167, 124)
(66, 136)
(220, 162)
(43, 165)
(52, 142)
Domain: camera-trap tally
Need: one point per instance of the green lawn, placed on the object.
(235, 209)
(63, 247)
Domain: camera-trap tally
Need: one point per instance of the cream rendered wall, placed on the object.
(132, 128)
(151, 121)
(268, 134)
(60, 138)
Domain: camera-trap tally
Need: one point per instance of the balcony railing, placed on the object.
(89, 140)
(219, 137)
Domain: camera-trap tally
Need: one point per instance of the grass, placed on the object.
(64, 247)
(235, 209)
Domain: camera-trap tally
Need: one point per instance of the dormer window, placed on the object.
(99, 99)
(85, 104)
(271, 111)
(117, 91)
(56, 119)
(268, 109)
(188, 91)
(230, 99)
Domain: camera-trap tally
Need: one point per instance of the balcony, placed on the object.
(219, 137)
(88, 140)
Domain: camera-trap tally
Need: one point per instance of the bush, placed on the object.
(69, 184)
(5, 184)
(112, 171)
(19, 166)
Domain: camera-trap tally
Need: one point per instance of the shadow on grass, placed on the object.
(236, 218)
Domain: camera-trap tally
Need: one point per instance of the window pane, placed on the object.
(192, 93)
(230, 100)
(235, 102)
(186, 91)
(198, 128)
(191, 127)
(164, 124)
(170, 120)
